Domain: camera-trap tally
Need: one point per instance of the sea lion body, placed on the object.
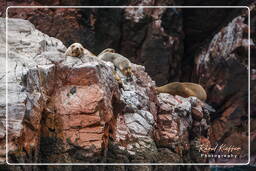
(107, 50)
(77, 50)
(184, 89)
(119, 61)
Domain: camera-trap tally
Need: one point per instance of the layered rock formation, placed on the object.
(218, 43)
(140, 34)
(71, 110)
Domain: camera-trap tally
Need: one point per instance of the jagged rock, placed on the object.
(144, 34)
(176, 129)
(150, 32)
(222, 68)
(67, 112)
(129, 101)
(24, 43)
(73, 110)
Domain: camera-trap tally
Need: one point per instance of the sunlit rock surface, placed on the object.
(217, 26)
(71, 110)
(138, 33)
(24, 44)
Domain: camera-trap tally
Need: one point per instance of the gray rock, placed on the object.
(24, 44)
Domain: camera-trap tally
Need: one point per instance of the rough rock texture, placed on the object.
(140, 34)
(205, 33)
(222, 69)
(180, 128)
(21, 53)
(200, 25)
(253, 86)
(70, 110)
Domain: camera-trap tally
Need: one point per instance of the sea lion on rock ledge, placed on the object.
(184, 89)
(77, 50)
(119, 61)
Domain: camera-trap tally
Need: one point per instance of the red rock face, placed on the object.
(178, 129)
(168, 130)
(76, 118)
(75, 114)
(81, 114)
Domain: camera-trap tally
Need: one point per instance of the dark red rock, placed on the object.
(197, 113)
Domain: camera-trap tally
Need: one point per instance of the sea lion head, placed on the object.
(109, 50)
(75, 50)
(125, 68)
(128, 71)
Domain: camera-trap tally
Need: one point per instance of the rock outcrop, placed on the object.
(212, 51)
(222, 68)
(72, 110)
(140, 34)
(24, 44)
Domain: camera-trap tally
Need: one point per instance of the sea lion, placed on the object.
(77, 50)
(119, 61)
(183, 89)
(107, 50)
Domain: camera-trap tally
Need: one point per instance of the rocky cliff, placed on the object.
(70, 110)
(129, 32)
(208, 46)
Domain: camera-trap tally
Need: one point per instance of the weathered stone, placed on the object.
(142, 40)
(222, 68)
(177, 127)
(145, 33)
(197, 113)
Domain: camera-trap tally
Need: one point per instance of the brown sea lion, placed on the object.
(184, 89)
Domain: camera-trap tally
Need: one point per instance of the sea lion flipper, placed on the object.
(117, 77)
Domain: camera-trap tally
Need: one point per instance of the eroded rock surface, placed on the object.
(24, 44)
(138, 33)
(157, 121)
(222, 68)
(71, 110)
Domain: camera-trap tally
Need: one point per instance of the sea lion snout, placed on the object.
(127, 71)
